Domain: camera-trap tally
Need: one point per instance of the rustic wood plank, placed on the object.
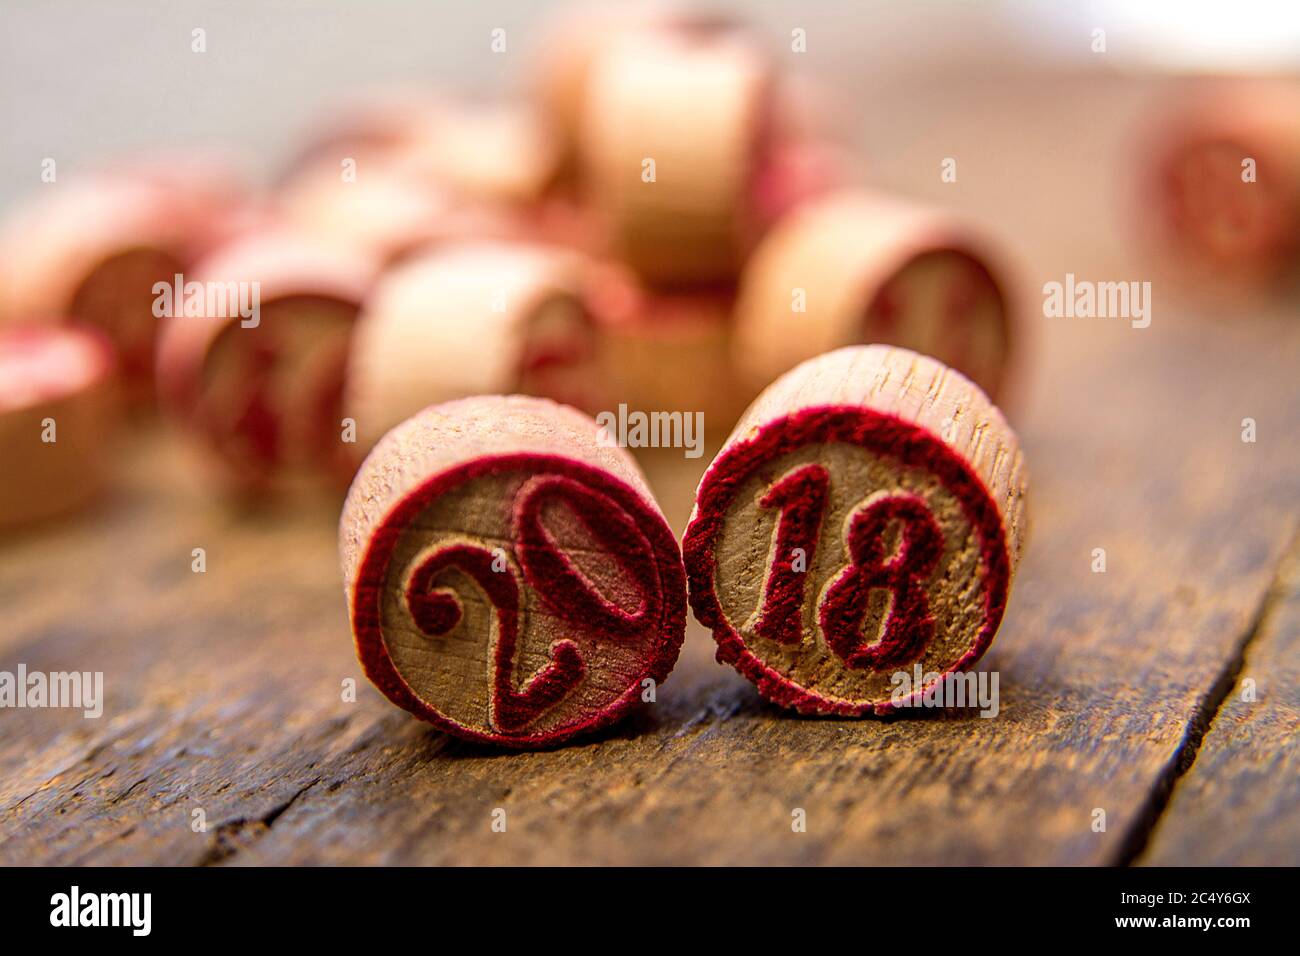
(224, 688)
(1237, 803)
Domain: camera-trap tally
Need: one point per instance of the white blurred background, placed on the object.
(81, 81)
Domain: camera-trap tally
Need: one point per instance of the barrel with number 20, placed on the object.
(509, 577)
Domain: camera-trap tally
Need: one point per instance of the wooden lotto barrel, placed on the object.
(469, 319)
(252, 359)
(509, 576)
(865, 519)
(858, 268)
(58, 408)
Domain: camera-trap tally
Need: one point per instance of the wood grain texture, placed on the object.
(1238, 800)
(224, 689)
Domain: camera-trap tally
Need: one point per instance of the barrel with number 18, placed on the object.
(864, 520)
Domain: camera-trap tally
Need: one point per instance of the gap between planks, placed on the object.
(1138, 837)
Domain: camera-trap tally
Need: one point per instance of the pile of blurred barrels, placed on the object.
(662, 225)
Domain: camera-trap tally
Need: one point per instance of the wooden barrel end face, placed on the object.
(944, 302)
(1213, 214)
(558, 358)
(838, 546)
(519, 600)
(118, 296)
(267, 399)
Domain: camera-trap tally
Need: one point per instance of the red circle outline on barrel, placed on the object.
(882, 434)
(373, 572)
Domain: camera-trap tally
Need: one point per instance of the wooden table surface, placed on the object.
(1120, 691)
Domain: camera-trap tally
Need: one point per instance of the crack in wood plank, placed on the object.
(233, 836)
(1138, 837)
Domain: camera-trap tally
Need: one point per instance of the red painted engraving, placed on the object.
(559, 582)
(801, 496)
(907, 627)
(436, 609)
